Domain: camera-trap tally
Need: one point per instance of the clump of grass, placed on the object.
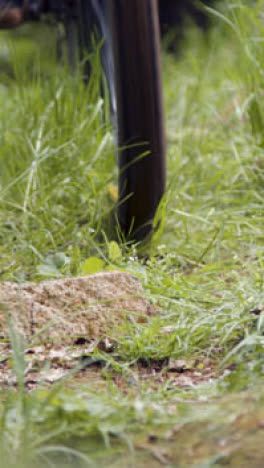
(54, 186)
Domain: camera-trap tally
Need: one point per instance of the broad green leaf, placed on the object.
(92, 265)
(60, 260)
(114, 251)
(48, 270)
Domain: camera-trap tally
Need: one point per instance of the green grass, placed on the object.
(204, 270)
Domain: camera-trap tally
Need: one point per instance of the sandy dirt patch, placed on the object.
(65, 309)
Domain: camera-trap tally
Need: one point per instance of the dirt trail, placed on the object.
(63, 321)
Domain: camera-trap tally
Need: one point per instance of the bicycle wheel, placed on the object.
(131, 59)
(93, 19)
(136, 43)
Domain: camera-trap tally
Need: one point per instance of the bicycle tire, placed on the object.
(132, 60)
(136, 44)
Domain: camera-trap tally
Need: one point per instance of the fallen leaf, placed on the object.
(180, 365)
(52, 375)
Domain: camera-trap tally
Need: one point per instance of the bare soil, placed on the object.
(62, 310)
(62, 321)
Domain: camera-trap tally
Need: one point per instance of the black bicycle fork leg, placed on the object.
(136, 45)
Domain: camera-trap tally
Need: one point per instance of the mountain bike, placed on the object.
(131, 62)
